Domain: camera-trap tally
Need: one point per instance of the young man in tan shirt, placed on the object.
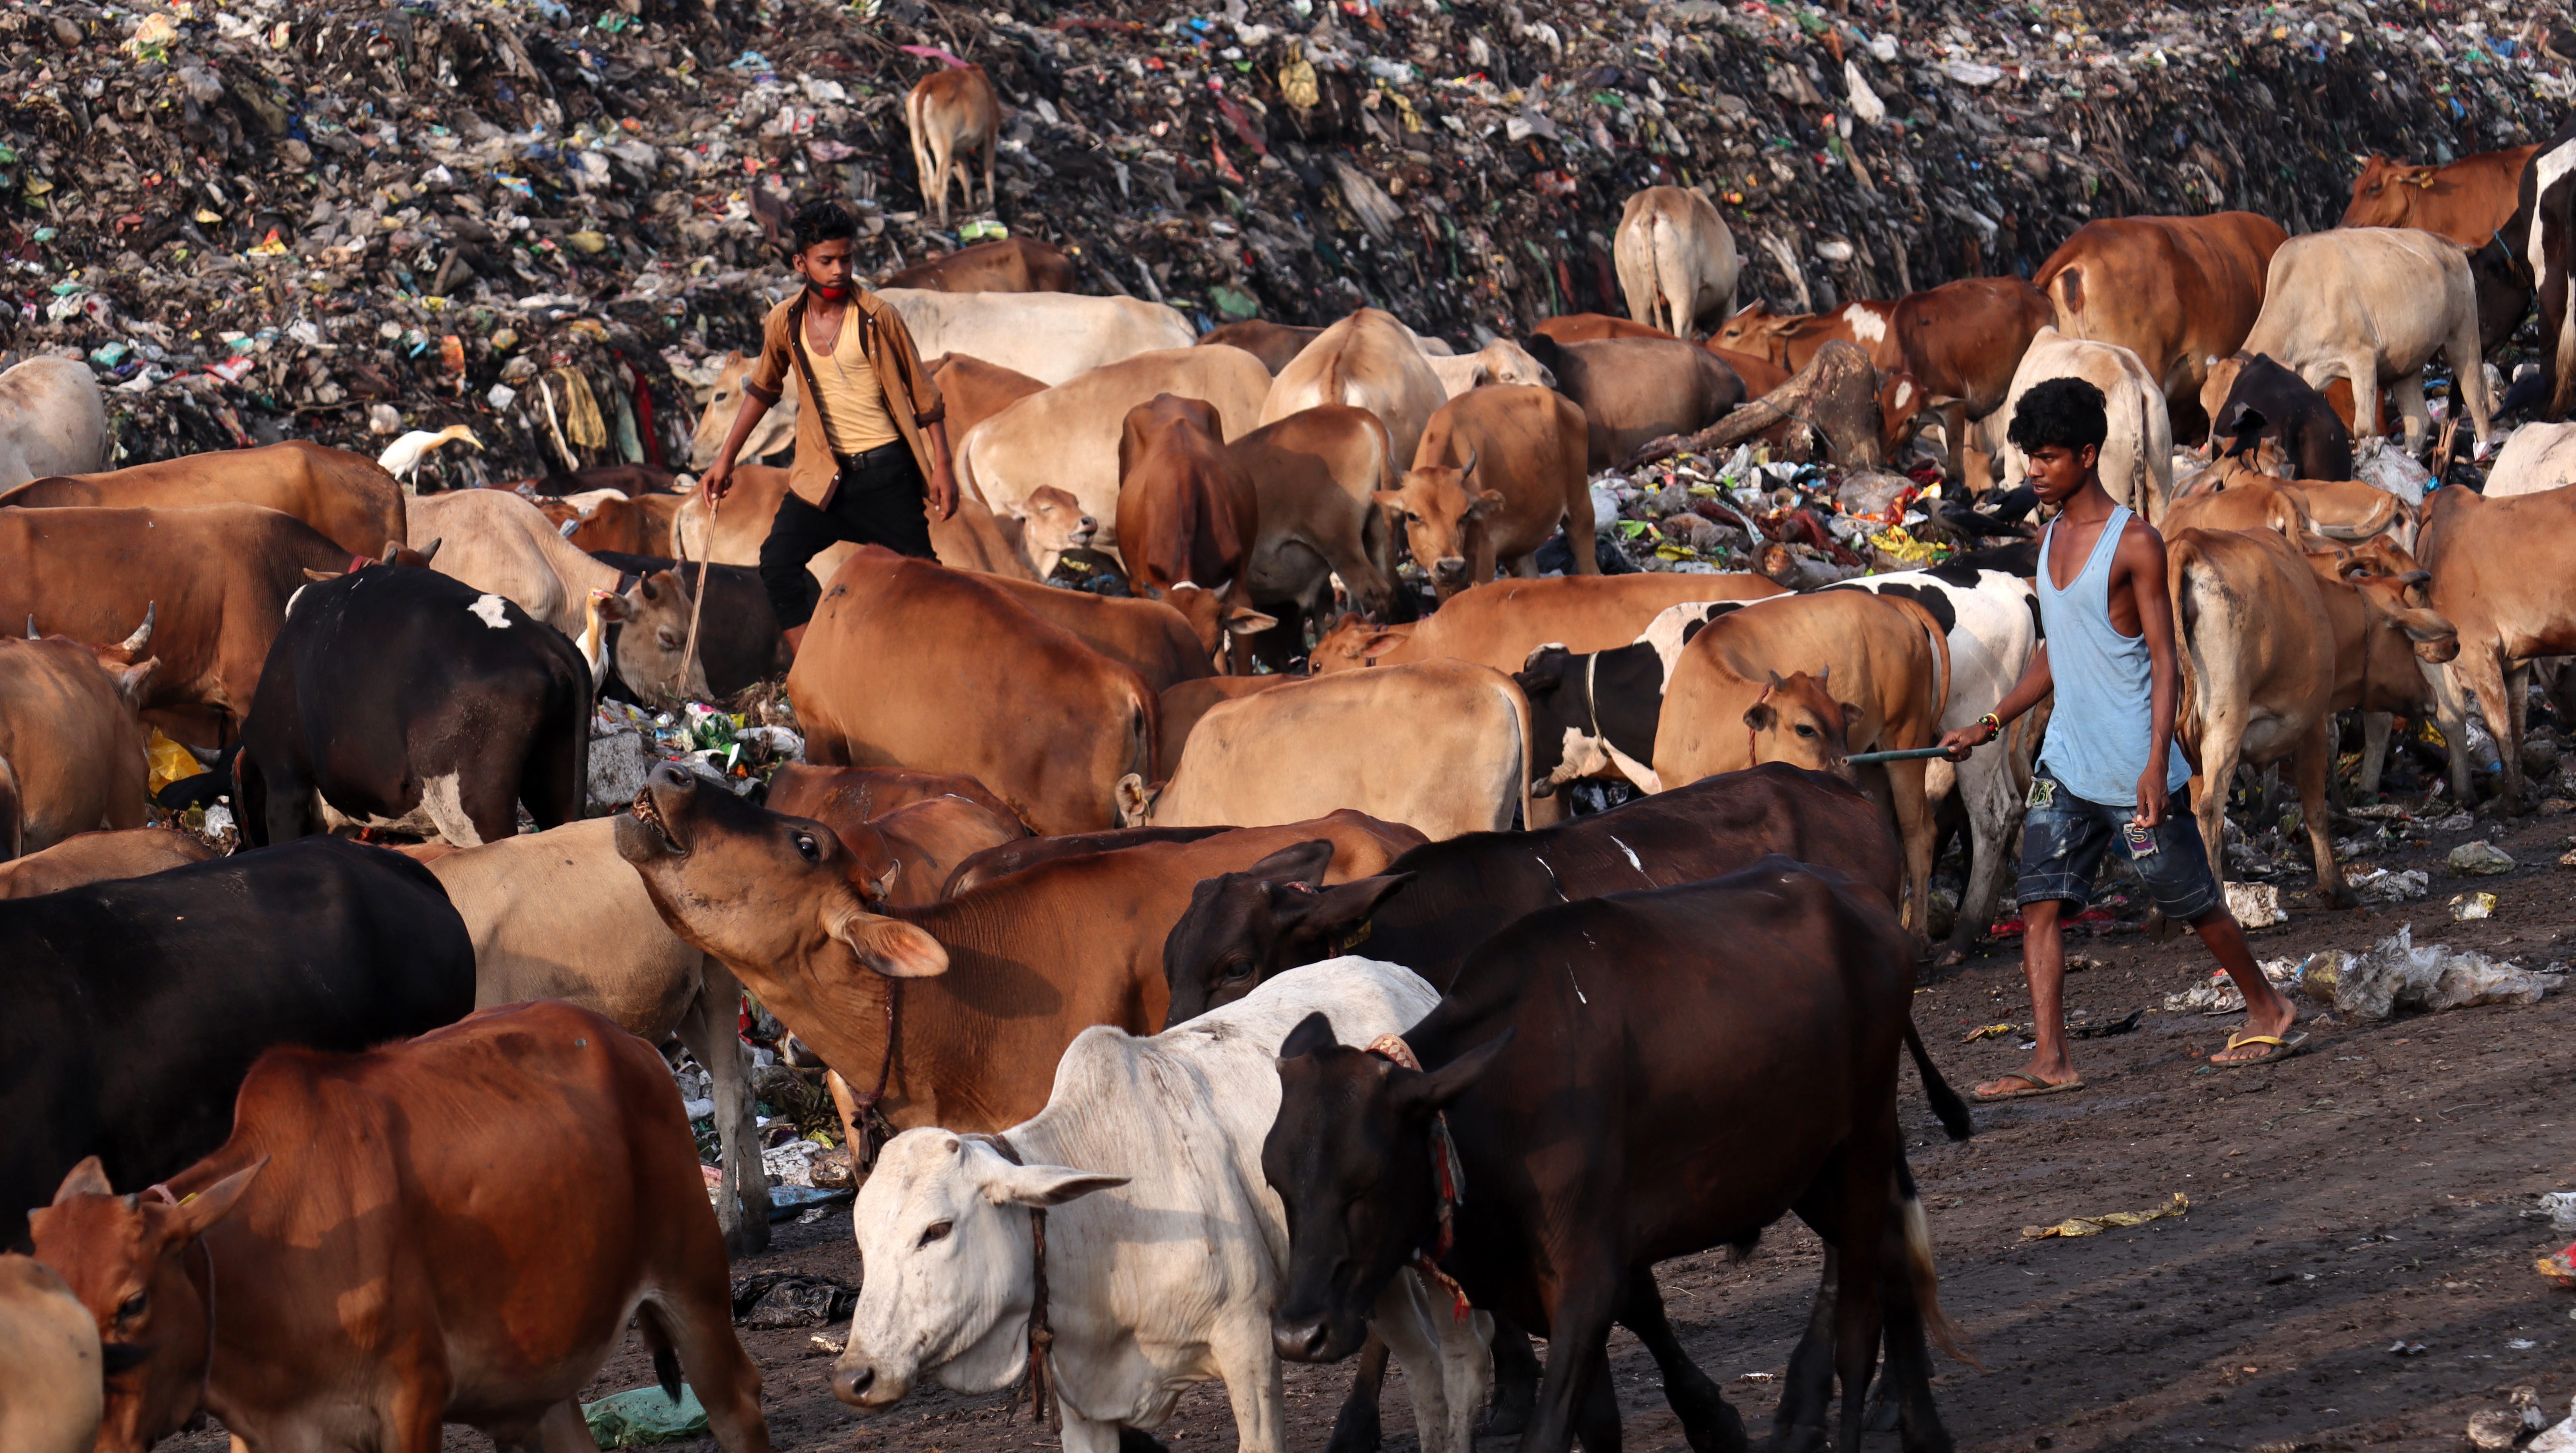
(871, 440)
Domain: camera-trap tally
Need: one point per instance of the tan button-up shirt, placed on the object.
(911, 396)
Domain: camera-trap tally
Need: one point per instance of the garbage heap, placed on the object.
(346, 219)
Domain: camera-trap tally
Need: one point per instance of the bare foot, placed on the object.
(2273, 1020)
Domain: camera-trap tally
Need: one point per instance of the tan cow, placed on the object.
(2175, 291)
(71, 746)
(1440, 746)
(53, 421)
(51, 1400)
(2537, 457)
(1188, 519)
(2273, 643)
(1370, 361)
(1498, 471)
(775, 432)
(1051, 337)
(1004, 265)
(974, 538)
(1275, 344)
(607, 520)
(950, 113)
(976, 390)
(1185, 703)
(1809, 680)
(343, 495)
(1315, 476)
(1632, 390)
(100, 857)
(2137, 459)
(2490, 560)
(1151, 637)
(1501, 624)
(911, 664)
(1675, 259)
(1501, 361)
(2372, 305)
(1068, 435)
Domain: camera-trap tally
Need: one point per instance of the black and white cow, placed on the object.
(405, 699)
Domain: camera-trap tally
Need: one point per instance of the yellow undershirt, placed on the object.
(853, 401)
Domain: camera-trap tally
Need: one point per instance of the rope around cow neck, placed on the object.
(1448, 1177)
(1042, 1400)
(206, 1377)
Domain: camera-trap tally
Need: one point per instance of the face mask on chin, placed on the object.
(840, 294)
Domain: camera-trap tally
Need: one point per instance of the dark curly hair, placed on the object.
(2063, 411)
(823, 220)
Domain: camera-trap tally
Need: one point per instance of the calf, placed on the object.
(1275, 344)
(331, 1274)
(2175, 291)
(2137, 458)
(2480, 552)
(1569, 1032)
(1128, 1218)
(323, 943)
(1675, 259)
(1004, 265)
(71, 746)
(1316, 475)
(1500, 626)
(950, 113)
(738, 641)
(49, 1343)
(1187, 512)
(2467, 201)
(400, 699)
(346, 497)
(100, 857)
(1632, 390)
(1501, 361)
(2259, 399)
(1499, 470)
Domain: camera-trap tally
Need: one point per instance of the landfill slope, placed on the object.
(343, 221)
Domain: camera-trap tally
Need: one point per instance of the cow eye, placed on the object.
(1411, 518)
(670, 639)
(132, 1307)
(806, 848)
(1234, 971)
(936, 1231)
(1805, 730)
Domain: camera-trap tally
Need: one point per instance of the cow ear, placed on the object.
(190, 1218)
(130, 680)
(316, 577)
(88, 1178)
(1298, 862)
(615, 607)
(1760, 716)
(1486, 503)
(1045, 1185)
(1851, 718)
(1435, 1090)
(1313, 1034)
(1388, 499)
(890, 946)
(1135, 800)
(1245, 621)
(1340, 913)
(1381, 643)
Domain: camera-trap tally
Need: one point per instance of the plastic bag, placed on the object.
(644, 1416)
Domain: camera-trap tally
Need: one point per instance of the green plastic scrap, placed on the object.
(644, 1416)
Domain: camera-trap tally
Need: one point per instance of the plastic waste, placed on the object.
(2470, 907)
(2397, 975)
(2095, 1225)
(644, 1416)
(2478, 860)
(2255, 905)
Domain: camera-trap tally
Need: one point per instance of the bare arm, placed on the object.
(2141, 561)
(943, 472)
(720, 477)
(2035, 684)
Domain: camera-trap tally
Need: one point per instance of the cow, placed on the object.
(1591, 327)
(1959, 341)
(1152, 637)
(2467, 201)
(949, 114)
(1501, 361)
(2259, 399)
(1002, 977)
(2175, 291)
(1809, 680)
(57, 421)
(1498, 473)
(904, 659)
(1185, 703)
(1368, 360)
(2507, 613)
(1161, 1250)
(1558, 1093)
(864, 794)
(332, 1268)
(1187, 513)
(1051, 337)
(1069, 436)
(2137, 459)
(1501, 624)
(2373, 305)
(1315, 478)
(501, 544)
(100, 857)
(733, 535)
(1675, 259)
(2274, 642)
(559, 915)
(738, 640)
(722, 403)
(324, 943)
(635, 481)
(1275, 344)
(399, 699)
(1632, 390)
(2529, 261)
(1440, 746)
(71, 745)
(49, 1343)
(606, 520)
(345, 496)
(1003, 265)
(1009, 858)
(976, 390)
(2537, 457)
(215, 578)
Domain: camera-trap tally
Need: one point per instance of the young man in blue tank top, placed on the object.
(2109, 773)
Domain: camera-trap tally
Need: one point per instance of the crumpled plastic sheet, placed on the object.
(2397, 975)
(2096, 1225)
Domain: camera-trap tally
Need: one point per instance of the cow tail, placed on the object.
(650, 1320)
(13, 810)
(2186, 560)
(1664, 254)
(1956, 1122)
(1922, 1276)
(1521, 715)
(2562, 392)
(1144, 736)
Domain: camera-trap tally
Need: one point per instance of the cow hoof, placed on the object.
(1136, 1440)
(1357, 1429)
(1510, 1414)
(2343, 897)
(1708, 1422)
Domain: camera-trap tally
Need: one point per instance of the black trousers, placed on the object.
(879, 502)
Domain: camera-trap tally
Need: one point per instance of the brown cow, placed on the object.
(1151, 637)
(1590, 327)
(1316, 474)
(333, 1262)
(1807, 680)
(71, 746)
(2490, 579)
(864, 794)
(976, 390)
(215, 578)
(2176, 291)
(1275, 344)
(1030, 960)
(345, 496)
(906, 662)
(1185, 703)
(100, 857)
(950, 113)
(2465, 201)
(2273, 643)
(1499, 470)
(1632, 390)
(613, 522)
(1004, 265)
(1188, 515)
(1028, 852)
(1500, 625)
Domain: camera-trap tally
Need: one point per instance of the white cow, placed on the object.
(1501, 361)
(1675, 258)
(2537, 457)
(52, 421)
(1048, 336)
(2137, 459)
(1166, 1249)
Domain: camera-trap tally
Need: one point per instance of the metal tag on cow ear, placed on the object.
(1358, 935)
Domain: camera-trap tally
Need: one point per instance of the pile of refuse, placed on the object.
(540, 220)
(1803, 524)
(2391, 977)
(730, 749)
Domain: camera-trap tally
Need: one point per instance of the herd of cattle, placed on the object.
(1199, 1016)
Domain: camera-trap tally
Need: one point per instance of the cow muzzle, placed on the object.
(654, 830)
(861, 1384)
(1450, 567)
(1306, 1340)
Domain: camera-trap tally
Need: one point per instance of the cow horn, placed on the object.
(1470, 466)
(31, 629)
(143, 633)
(2415, 577)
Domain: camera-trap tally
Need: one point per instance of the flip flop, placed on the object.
(2281, 1049)
(2037, 1088)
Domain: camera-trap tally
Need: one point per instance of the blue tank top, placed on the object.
(2099, 728)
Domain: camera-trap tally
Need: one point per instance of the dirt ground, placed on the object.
(2370, 1192)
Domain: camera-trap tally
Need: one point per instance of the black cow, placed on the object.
(2532, 253)
(1623, 1080)
(407, 699)
(131, 1010)
(739, 644)
(2268, 401)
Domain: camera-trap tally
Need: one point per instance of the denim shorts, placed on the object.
(2064, 838)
